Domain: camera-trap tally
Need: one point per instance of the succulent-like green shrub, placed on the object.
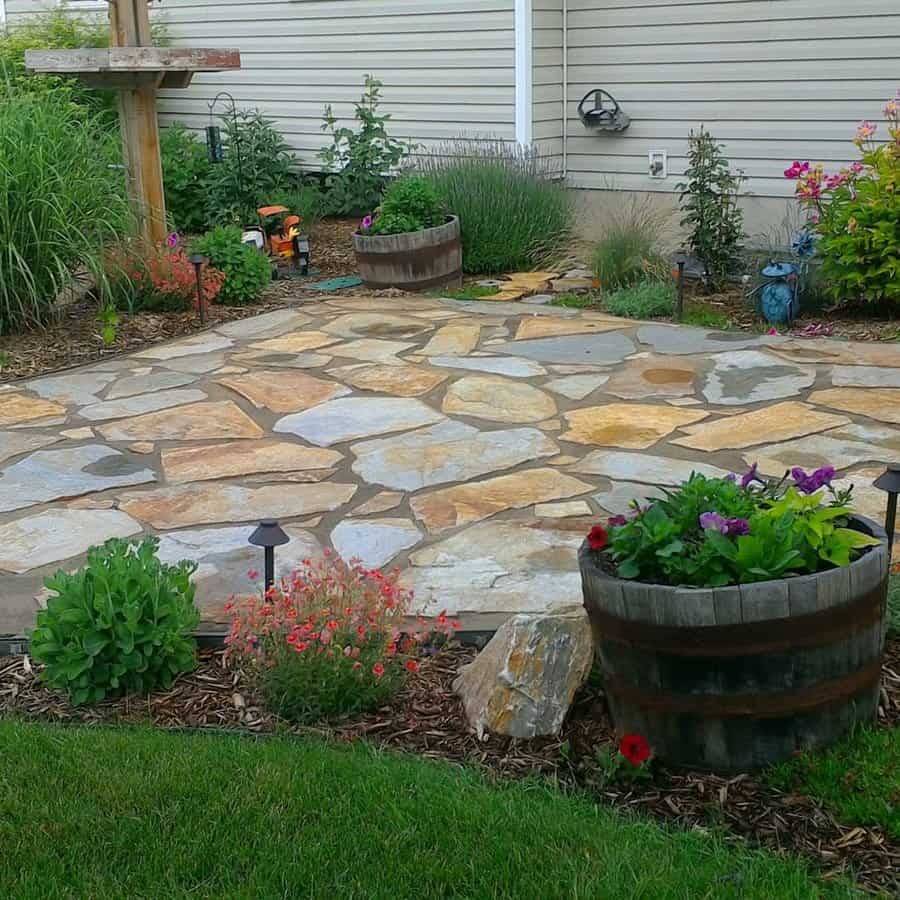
(121, 624)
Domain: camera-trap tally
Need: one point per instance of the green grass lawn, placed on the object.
(135, 813)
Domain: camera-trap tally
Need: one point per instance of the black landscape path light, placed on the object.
(680, 260)
(269, 535)
(198, 261)
(889, 481)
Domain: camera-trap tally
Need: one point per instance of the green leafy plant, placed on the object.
(360, 160)
(515, 211)
(711, 532)
(629, 250)
(469, 292)
(257, 165)
(856, 213)
(186, 170)
(247, 271)
(334, 639)
(121, 624)
(60, 202)
(645, 300)
(703, 316)
(631, 761)
(576, 301)
(709, 204)
(306, 199)
(410, 204)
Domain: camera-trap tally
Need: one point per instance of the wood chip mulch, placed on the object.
(426, 718)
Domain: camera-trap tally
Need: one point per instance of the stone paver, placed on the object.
(469, 443)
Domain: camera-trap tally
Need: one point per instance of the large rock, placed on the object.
(525, 679)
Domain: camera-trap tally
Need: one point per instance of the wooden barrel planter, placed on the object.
(415, 261)
(740, 677)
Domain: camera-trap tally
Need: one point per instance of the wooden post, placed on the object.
(129, 26)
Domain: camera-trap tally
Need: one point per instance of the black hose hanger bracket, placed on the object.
(600, 111)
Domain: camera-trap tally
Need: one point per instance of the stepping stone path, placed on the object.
(471, 444)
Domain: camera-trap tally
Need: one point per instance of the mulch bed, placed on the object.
(426, 718)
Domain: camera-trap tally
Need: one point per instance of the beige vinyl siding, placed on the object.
(774, 80)
(547, 78)
(448, 66)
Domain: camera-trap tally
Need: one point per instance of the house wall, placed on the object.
(547, 78)
(773, 80)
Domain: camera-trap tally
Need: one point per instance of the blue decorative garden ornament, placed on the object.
(780, 297)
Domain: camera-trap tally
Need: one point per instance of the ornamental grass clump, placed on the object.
(712, 532)
(334, 639)
(514, 210)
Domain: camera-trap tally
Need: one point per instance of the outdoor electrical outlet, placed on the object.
(658, 164)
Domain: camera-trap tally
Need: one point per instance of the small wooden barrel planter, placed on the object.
(740, 677)
(415, 261)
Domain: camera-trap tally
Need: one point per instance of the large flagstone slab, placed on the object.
(236, 458)
(272, 324)
(633, 426)
(778, 422)
(537, 327)
(55, 474)
(372, 350)
(194, 422)
(139, 404)
(356, 417)
(225, 558)
(58, 534)
(623, 466)
(865, 376)
(374, 541)
(128, 386)
(200, 343)
(751, 376)
(498, 567)
(619, 497)
(197, 364)
(576, 387)
(494, 365)
(828, 350)
(381, 502)
(281, 360)
(376, 324)
(449, 451)
(211, 503)
(465, 503)
(597, 349)
(841, 448)
(876, 403)
(653, 376)
(456, 339)
(411, 304)
(500, 308)
(283, 391)
(295, 342)
(498, 400)
(13, 443)
(71, 387)
(399, 381)
(16, 408)
(678, 339)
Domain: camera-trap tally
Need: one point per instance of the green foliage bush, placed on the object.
(247, 271)
(629, 249)
(59, 202)
(709, 203)
(515, 212)
(360, 160)
(304, 199)
(410, 204)
(646, 300)
(186, 171)
(856, 213)
(711, 532)
(122, 624)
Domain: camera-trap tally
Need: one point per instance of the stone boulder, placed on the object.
(523, 682)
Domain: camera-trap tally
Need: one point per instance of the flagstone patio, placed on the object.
(469, 443)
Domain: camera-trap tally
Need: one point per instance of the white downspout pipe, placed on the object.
(565, 88)
(524, 72)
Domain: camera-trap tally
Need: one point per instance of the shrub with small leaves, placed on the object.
(334, 639)
(247, 271)
(410, 204)
(642, 301)
(186, 169)
(122, 624)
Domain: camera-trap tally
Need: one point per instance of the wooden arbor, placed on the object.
(136, 70)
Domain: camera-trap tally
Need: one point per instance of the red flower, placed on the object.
(378, 670)
(412, 666)
(597, 538)
(635, 749)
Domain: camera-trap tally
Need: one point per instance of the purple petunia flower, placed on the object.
(172, 239)
(731, 477)
(750, 476)
(737, 525)
(616, 521)
(810, 483)
(366, 223)
(712, 520)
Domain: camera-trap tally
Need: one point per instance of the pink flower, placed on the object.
(835, 181)
(797, 169)
(773, 331)
(366, 223)
(378, 670)
(252, 574)
(412, 666)
(856, 167)
(865, 130)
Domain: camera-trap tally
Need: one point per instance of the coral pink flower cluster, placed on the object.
(334, 613)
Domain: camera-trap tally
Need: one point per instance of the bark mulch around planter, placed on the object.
(426, 718)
